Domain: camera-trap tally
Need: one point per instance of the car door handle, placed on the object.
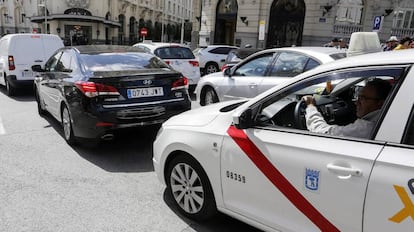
(344, 172)
(38, 61)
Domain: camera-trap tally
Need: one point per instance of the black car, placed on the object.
(94, 90)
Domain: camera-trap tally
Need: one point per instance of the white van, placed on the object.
(18, 52)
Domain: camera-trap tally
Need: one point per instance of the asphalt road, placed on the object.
(46, 185)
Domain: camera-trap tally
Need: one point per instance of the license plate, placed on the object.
(27, 74)
(145, 92)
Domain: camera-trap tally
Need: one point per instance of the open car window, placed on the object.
(335, 94)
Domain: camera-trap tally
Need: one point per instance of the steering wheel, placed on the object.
(299, 115)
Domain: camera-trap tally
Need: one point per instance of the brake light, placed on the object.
(180, 83)
(92, 89)
(194, 63)
(224, 67)
(103, 124)
(11, 63)
(167, 61)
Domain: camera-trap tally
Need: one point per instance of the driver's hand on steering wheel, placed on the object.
(309, 100)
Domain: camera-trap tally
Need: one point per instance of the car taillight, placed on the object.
(167, 61)
(11, 63)
(92, 89)
(194, 63)
(180, 83)
(224, 67)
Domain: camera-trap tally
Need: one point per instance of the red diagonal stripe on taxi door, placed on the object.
(279, 181)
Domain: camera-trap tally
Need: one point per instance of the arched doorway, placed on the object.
(132, 31)
(121, 34)
(226, 19)
(286, 23)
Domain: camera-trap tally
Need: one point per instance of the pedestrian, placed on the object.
(412, 44)
(390, 44)
(404, 43)
(342, 44)
(334, 43)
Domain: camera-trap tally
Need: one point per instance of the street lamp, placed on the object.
(184, 11)
(45, 6)
(162, 21)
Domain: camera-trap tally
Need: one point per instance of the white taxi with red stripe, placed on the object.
(257, 162)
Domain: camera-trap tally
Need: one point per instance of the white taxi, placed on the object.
(256, 161)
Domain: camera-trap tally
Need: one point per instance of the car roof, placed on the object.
(244, 52)
(323, 54)
(218, 46)
(105, 48)
(155, 45)
(400, 57)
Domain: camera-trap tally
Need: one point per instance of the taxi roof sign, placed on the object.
(363, 42)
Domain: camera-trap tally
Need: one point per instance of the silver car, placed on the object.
(261, 71)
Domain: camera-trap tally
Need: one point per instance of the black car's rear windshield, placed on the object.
(174, 53)
(121, 61)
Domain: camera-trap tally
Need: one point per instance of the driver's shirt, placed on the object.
(361, 128)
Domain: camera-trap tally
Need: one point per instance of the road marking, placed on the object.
(2, 130)
(279, 181)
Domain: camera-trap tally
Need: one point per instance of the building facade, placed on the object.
(99, 21)
(276, 23)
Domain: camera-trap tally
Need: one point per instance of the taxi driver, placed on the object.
(369, 102)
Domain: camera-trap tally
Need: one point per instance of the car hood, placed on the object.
(203, 115)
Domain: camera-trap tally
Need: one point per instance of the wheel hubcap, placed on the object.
(209, 98)
(66, 123)
(187, 188)
(211, 69)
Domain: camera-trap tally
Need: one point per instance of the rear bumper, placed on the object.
(19, 83)
(96, 122)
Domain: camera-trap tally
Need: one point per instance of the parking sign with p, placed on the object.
(377, 23)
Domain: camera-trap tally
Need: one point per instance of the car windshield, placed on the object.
(174, 53)
(121, 61)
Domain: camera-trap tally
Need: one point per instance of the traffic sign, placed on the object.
(143, 31)
(377, 25)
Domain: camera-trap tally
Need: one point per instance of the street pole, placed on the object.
(46, 17)
(182, 21)
(182, 30)
(162, 21)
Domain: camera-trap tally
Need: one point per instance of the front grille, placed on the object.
(141, 113)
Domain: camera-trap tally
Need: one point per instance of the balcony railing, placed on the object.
(402, 32)
(345, 31)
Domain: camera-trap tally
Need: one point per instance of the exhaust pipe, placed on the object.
(107, 137)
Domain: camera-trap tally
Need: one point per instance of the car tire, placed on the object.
(67, 126)
(11, 91)
(209, 97)
(190, 188)
(40, 107)
(211, 68)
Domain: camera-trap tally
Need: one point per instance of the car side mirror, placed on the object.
(244, 121)
(37, 68)
(227, 72)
